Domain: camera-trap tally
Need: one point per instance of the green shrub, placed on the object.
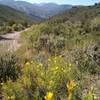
(8, 68)
(5, 29)
(14, 27)
(95, 24)
(8, 29)
(20, 27)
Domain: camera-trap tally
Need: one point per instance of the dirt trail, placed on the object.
(11, 40)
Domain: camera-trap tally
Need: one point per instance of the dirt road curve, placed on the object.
(11, 40)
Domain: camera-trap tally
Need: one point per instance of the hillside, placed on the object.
(75, 23)
(73, 36)
(11, 19)
(37, 11)
(79, 13)
(58, 59)
(8, 14)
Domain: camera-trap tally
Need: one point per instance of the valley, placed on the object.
(36, 11)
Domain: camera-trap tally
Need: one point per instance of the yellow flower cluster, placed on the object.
(71, 85)
(27, 64)
(49, 96)
(2, 84)
(40, 64)
(11, 97)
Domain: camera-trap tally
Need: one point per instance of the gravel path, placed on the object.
(11, 40)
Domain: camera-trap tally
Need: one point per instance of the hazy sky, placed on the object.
(74, 2)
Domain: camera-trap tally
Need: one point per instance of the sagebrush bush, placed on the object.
(8, 67)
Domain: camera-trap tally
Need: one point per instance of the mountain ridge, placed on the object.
(12, 13)
(13, 20)
(42, 10)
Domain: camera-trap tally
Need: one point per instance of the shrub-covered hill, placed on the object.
(74, 27)
(79, 13)
(8, 14)
(74, 34)
(10, 17)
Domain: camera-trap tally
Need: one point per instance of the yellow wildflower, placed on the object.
(55, 58)
(95, 98)
(64, 70)
(49, 59)
(32, 62)
(71, 85)
(8, 98)
(60, 56)
(55, 72)
(1, 83)
(42, 74)
(69, 69)
(12, 97)
(55, 61)
(70, 65)
(56, 67)
(49, 96)
(27, 63)
(51, 82)
(40, 64)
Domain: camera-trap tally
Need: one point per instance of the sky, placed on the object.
(73, 2)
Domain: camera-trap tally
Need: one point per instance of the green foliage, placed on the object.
(95, 24)
(70, 36)
(8, 68)
(13, 20)
(90, 95)
(61, 51)
(11, 27)
(5, 29)
(36, 77)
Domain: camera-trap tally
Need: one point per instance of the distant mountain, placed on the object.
(51, 9)
(79, 13)
(13, 20)
(39, 11)
(9, 14)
